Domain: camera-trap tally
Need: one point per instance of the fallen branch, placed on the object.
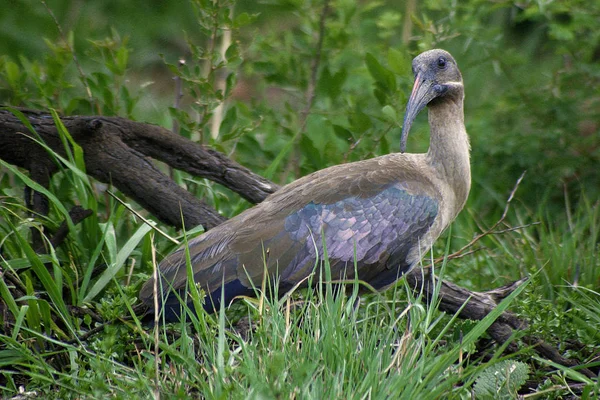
(77, 214)
(477, 305)
(117, 151)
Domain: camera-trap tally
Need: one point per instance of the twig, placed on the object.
(72, 51)
(83, 311)
(89, 334)
(77, 214)
(568, 207)
(178, 96)
(314, 68)
(491, 230)
(220, 84)
(146, 221)
(462, 252)
(7, 275)
(130, 272)
(312, 82)
(156, 315)
(455, 256)
(410, 9)
(514, 228)
(575, 387)
(176, 103)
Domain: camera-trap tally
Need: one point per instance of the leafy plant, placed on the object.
(501, 380)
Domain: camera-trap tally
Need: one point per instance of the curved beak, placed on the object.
(421, 95)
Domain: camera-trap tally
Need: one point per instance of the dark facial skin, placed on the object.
(437, 78)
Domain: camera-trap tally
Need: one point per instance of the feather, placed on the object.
(375, 214)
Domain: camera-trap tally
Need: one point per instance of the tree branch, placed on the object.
(314, 67)
(116, 151)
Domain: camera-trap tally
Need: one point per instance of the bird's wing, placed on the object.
(365, 211)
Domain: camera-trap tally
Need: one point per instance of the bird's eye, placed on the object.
(441, 63)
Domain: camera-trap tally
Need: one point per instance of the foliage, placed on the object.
(531, 71)
(501, 381)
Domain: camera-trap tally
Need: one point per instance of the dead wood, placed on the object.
(454, 299)
(119, 151)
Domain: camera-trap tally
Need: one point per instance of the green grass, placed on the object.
(310, 344)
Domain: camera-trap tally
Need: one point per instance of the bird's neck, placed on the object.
(449, 146)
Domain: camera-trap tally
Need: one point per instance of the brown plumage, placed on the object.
(384, 213)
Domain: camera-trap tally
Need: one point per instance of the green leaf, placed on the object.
(230, 83)
(375, 68)
(270, 171)
(11, 70)
(23, 263)
(243, 19)
(343, 133)
(390, 113)
(569, 372)
(47, 280)
(122, 58)
(332, 84)
(384, 145)
(19, 318)
(23, 119)
(11, 357)
(92, 261)
(381, 95)
(381, 75)
(116, 266)
(39, 188)
(311, 152)
(227, 130)
(360, 122)
(8, 298)
(399, 62)
(501, 380)
(76, 156)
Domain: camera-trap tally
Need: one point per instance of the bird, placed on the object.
(373, 219)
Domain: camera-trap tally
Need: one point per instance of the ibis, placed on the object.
(373, 219)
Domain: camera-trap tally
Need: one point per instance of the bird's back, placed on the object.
(367, 216)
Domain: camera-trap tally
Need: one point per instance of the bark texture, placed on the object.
(119, 151)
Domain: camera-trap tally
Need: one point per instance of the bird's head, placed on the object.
(437, 78)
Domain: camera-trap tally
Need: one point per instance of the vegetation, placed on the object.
(296, 86)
